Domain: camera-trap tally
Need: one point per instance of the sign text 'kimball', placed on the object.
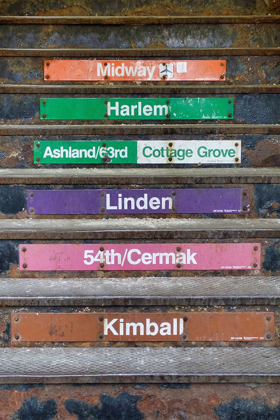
(137, 152)
(186, 326)
(156, 256)
(136, 109)
(135, 70)
(132, 201)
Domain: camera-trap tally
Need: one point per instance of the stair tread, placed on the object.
(132, 228)
(120, 365)
(110, 176)
(139, 291)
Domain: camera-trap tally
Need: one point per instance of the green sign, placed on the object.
(137, 152)
(136, 109)
(85, 152)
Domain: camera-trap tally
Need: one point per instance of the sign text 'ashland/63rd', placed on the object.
(136, 108)
(132, 201)
(156, 256)
(137, 152)
(186, 326)
(135, 70)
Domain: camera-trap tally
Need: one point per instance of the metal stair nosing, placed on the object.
(146, 365)
(148, 291)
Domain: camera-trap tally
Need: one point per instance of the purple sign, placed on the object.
(114, 201)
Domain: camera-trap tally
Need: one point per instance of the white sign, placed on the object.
(193, 151)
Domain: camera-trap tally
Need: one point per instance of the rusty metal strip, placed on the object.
(136, 89)
(148, 291)
(152, 176)
(136, 20)
(139, 365)
(169, 229)
(137, 52)
(138, 327)
(134, 129)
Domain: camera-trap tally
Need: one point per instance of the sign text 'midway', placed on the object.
(135, 70)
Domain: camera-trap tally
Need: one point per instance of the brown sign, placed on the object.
(206, 326)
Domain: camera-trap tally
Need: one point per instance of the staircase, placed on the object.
(248, 40)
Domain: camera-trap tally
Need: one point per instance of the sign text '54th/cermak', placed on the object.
(155, 256)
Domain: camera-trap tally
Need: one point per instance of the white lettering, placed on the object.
(134, 327)
(109, 327)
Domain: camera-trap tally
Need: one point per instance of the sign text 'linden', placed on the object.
(133, 201)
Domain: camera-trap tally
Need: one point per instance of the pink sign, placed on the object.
(91, 257)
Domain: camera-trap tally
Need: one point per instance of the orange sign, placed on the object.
(188, 326)
(135, 70)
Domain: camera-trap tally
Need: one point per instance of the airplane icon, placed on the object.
(166, 70)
